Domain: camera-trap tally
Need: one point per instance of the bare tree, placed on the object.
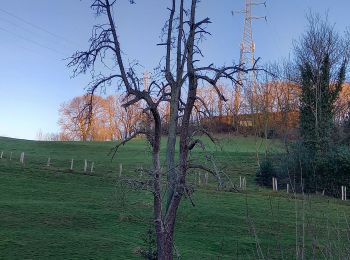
(107, 120)
(73, 119)
(177, 85)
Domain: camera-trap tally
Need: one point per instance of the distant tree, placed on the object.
(345, 129)
(40, 135)
(322, 58)
(209, 104)
(129, 119)
(341, 106)
(73, 119)
(108, 120)
(177, 85)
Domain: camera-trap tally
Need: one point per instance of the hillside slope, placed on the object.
(54, 213)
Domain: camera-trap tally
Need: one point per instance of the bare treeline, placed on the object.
(108, 120)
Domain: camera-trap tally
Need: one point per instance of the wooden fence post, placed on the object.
(10, 156)
(287, 187)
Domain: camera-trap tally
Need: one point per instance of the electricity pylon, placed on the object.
(246, 82)
(146, 79)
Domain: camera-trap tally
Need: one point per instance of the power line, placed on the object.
(31, 32)
(38, 27)
(32, 41)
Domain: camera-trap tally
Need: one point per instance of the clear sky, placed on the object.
(37, 35)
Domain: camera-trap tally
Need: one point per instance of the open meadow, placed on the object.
(51, 212)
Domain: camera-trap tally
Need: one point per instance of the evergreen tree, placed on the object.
(317, 100)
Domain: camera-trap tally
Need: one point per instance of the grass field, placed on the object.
(53, 213)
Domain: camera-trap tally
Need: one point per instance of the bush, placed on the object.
(149, 251)
(308, 172)
(324, 171)
(265, 173)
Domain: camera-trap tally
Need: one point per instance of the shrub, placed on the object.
(324, 171)
(265, 173)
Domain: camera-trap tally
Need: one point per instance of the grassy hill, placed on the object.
(52, 212)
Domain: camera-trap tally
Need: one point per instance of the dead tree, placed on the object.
(177, 85)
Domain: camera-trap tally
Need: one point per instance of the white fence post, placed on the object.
(48, 162)
(240, 182)
(21, 160)
(199, 179)
(120, 169)
(10, 156)
(85, 165)
(343, 193)
(71, 164)
(92, 167)
(276, 184)
(2, 153)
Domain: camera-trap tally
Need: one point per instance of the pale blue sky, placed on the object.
(36, 35)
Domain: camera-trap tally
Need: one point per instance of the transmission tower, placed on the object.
(245, 89)
(146, 79)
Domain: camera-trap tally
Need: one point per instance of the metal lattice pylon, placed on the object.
(245, 89)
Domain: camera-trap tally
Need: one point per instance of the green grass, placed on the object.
(50, 212)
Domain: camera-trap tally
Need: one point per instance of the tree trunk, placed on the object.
(165, 247)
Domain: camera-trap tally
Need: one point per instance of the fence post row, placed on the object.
(242, 181)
